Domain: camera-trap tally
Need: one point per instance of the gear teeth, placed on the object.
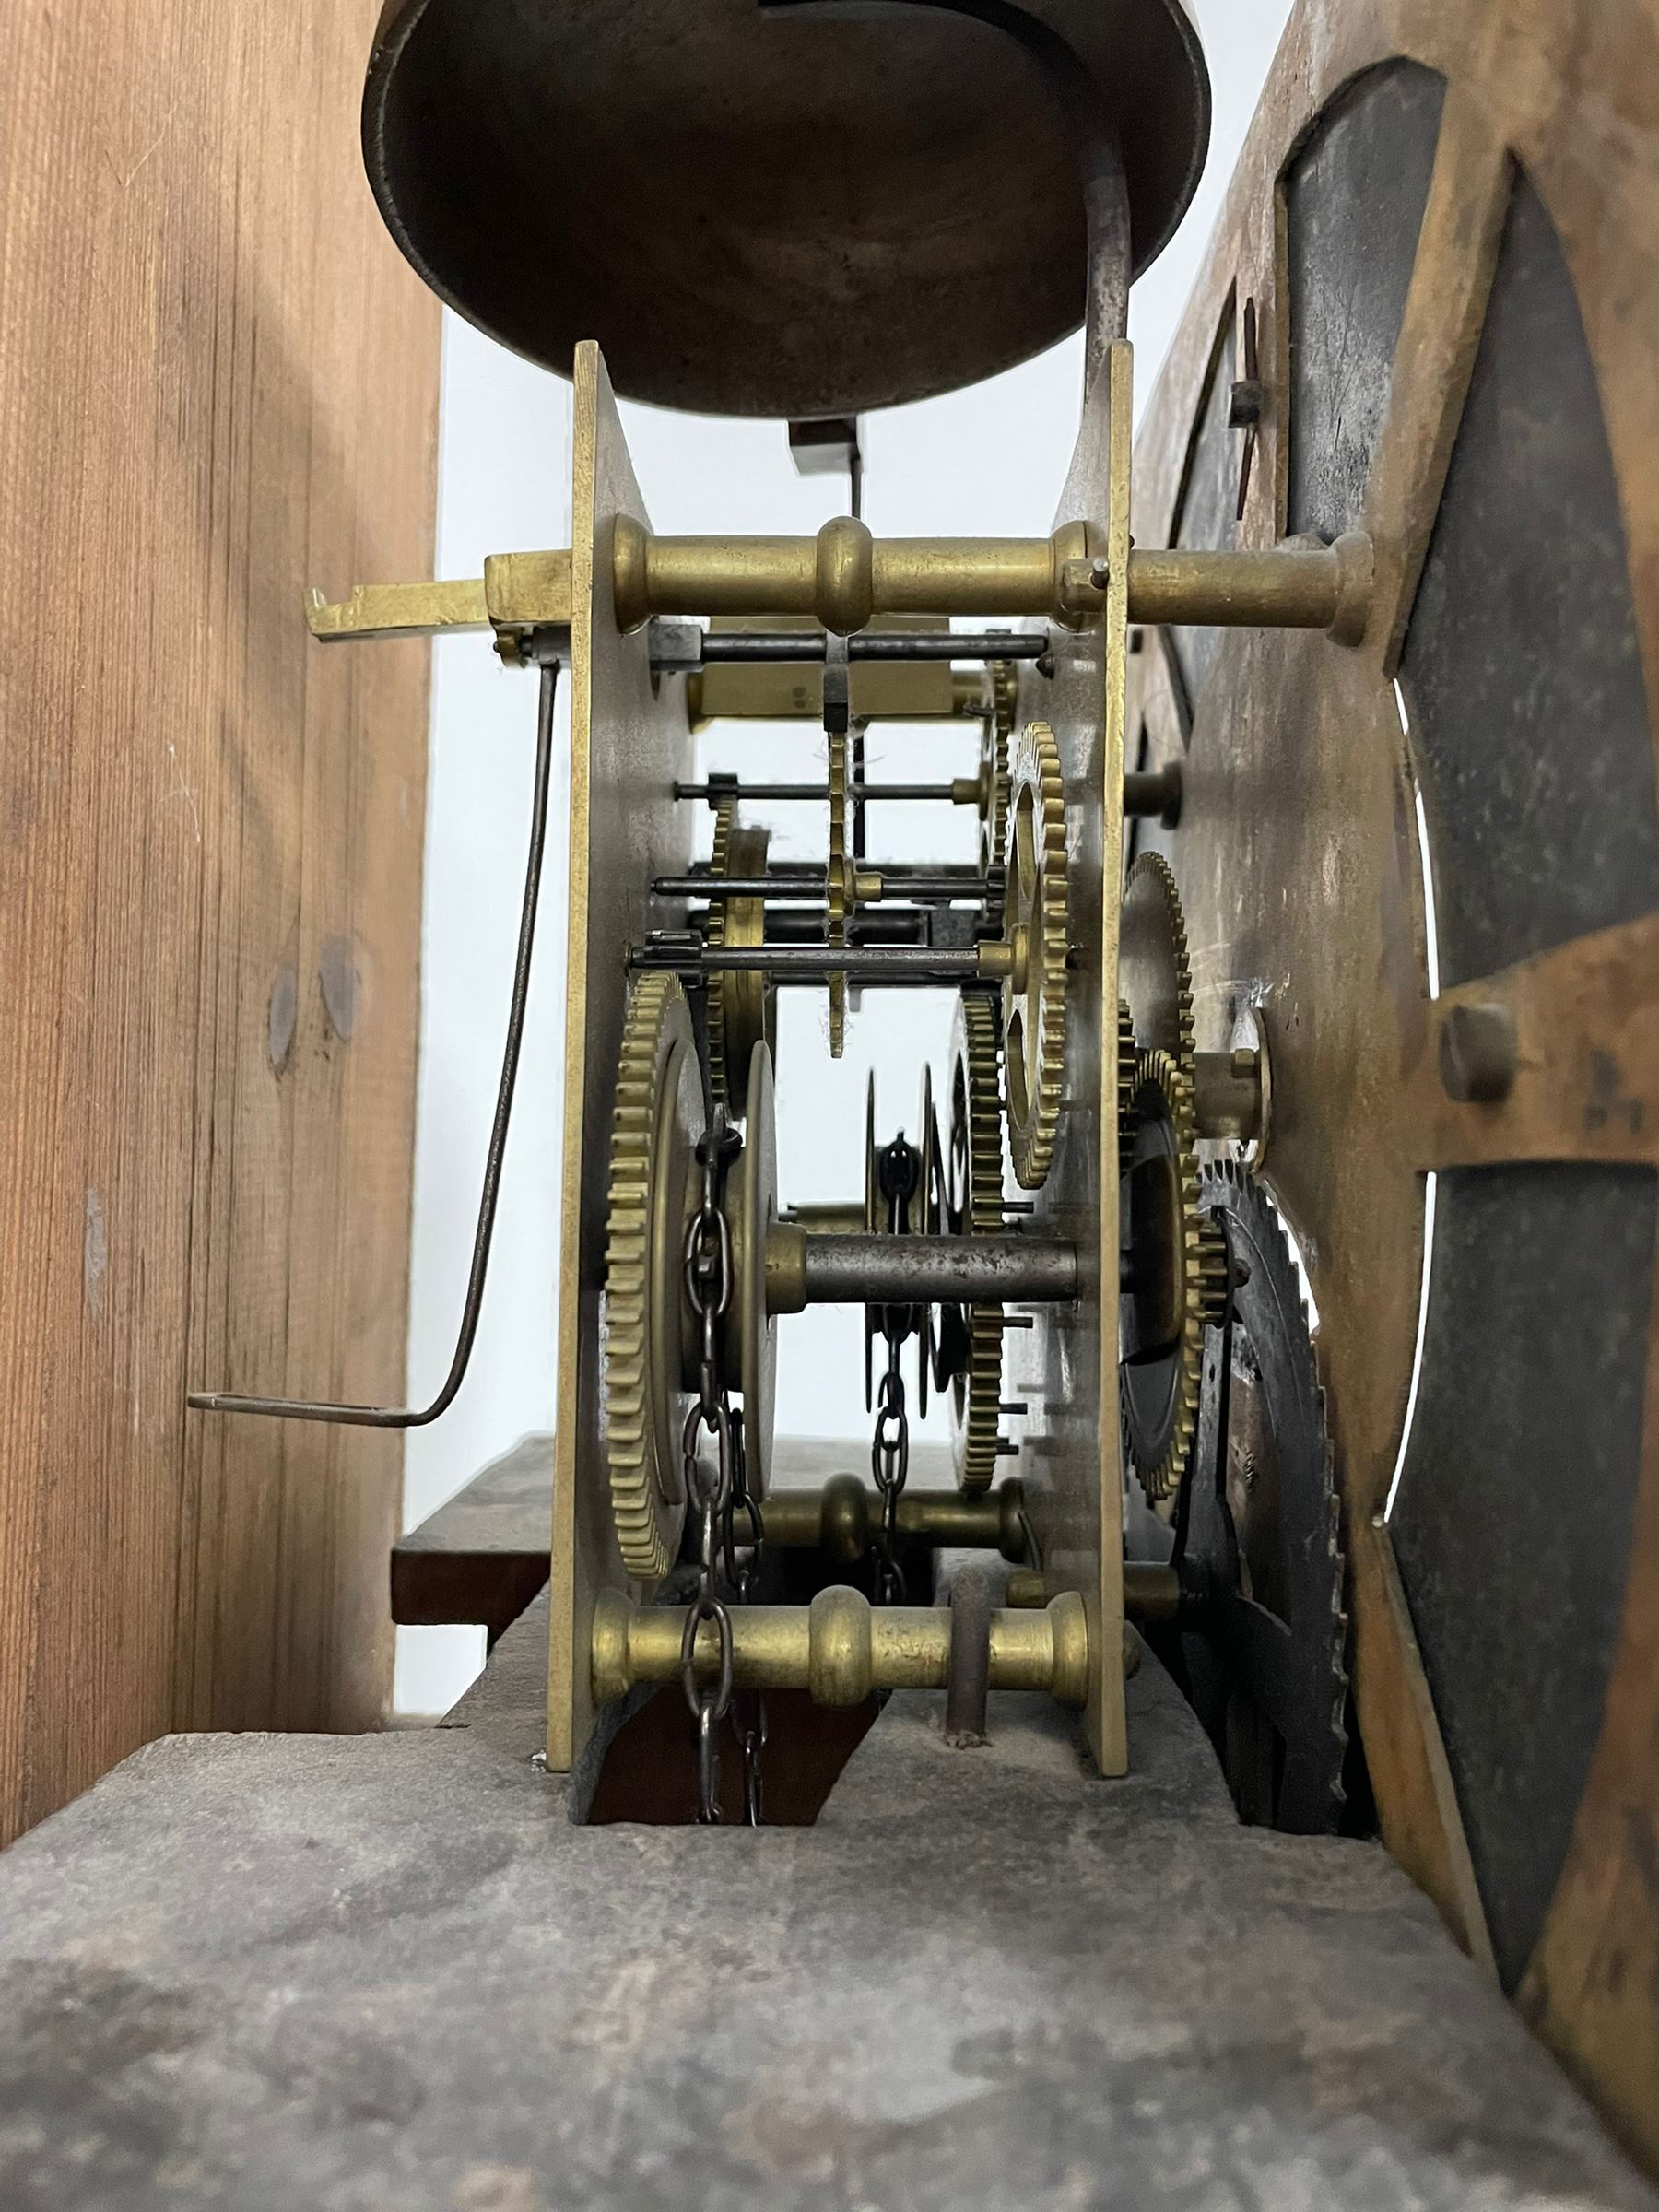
(1183, 1045)
(1251, 1199)
(1202, 1277)
(720, 863)
(739, 1002)
(976, 1402)
(995, 786)
(1033, 1132)
(1127, 1061)
(1215, 1277)
(647, 1527)
(838, 884)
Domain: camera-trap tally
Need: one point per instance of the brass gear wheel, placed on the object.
(654, 1188)
(1178, 1277)
(655, 1125)
(838, 884)
(973, 1201)
(993, 782)
(1036, 929)
(743, 1007)
(1155, 975)
(1127, 1060)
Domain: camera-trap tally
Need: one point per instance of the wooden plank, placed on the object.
(212, 836)
(482, 1557)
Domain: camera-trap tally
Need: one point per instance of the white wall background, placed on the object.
(989, 460)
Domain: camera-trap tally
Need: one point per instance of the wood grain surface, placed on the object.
(217, 383)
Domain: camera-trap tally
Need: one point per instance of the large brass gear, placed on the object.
(973, 1203)
(654, 1189)
(838, 884)
(1127, 1060)
(1155, 974)
(1178, 1277)
(749, 1341)
(993, 780)
(655, 1125)
(742, 1004)
(1036, 928)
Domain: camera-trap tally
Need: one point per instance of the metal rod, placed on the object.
(867, 793)
(406, 1416)
(840, 1648)
(775, 885)
(896, 871)
(913, 967)
(1154, 793)
(841, 1520)
(720, 645)
(1152, 1593)
(1288, 587)
(904, 1270)
(868, 927)
(969, 1664)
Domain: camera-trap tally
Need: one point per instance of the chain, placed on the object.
(707, 1269)
(743, 1572)
(890, 1448)
(890, 1463)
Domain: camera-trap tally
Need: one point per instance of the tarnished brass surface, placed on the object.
(1178, 1265)
(1151, 1592)
(844, 576)
(742, 1004)
(751, 1328)
(840, 1519)
(628, 744)
(517, 592)
(525, 591)
(786, 213)
(651, 1193)
(840, 1647)
(1228, 1093)
(1036, 930)
(397, 610)
(1299, 861)
(1282, 587)
(1065, 1367)
(973, 1192)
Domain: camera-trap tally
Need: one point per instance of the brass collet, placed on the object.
(844, 576)
(840, 1520)
(840, 1648)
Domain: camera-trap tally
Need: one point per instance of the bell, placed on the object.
(787, 211)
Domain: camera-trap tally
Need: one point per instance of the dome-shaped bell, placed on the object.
(765, 212)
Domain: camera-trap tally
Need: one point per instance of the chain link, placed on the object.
(890, 1447)
(890, 1463)
(742, 1573)
(707, 1271)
